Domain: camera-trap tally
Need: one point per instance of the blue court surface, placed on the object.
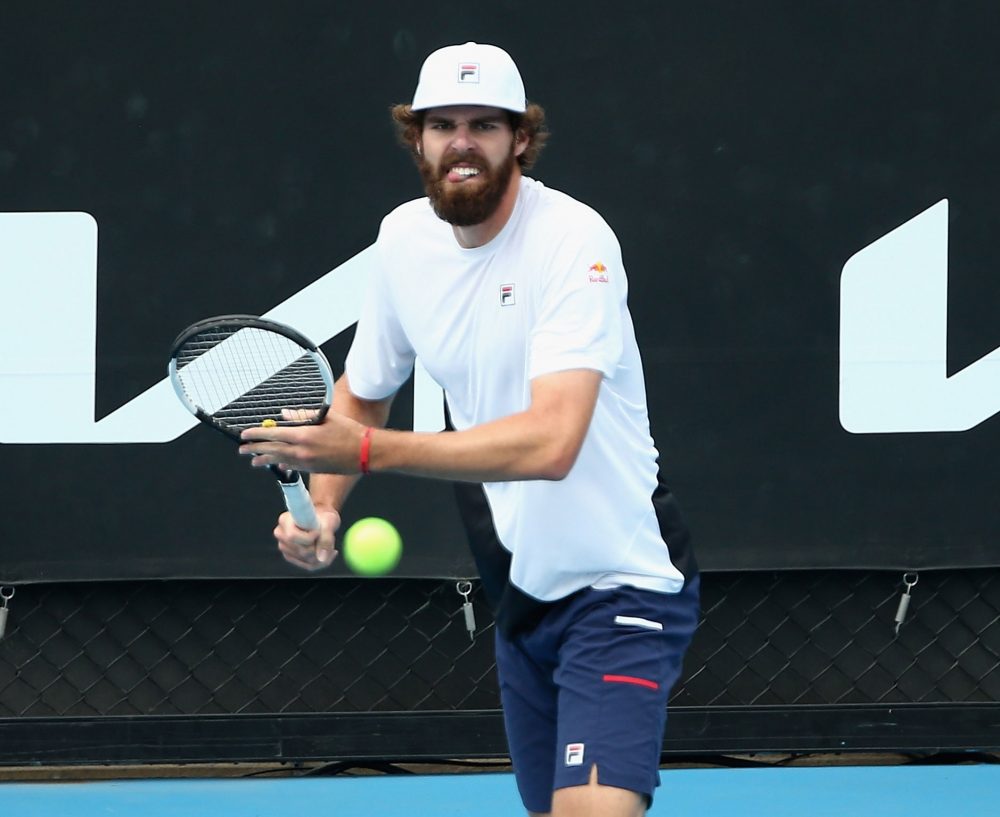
(858, 791)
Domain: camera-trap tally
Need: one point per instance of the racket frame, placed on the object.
(237, 321)
(293, 487)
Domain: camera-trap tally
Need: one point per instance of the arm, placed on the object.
(329, 491)
(541, 442)
(313, 550)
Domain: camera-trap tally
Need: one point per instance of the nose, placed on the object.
(462, 139)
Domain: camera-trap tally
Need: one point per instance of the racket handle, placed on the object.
(299, 504)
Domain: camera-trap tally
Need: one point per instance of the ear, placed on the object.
(418, 148)
(521, 142)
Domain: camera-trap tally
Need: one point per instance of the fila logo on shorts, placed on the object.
(468, 72)
(507, 295)
(574, 754)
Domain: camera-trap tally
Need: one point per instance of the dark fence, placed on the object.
(297, 669)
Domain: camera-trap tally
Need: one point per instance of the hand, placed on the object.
(308, 549)
(332, 447)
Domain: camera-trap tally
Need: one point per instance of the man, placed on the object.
(514, 297)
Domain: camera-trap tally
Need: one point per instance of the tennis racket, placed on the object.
(239, 371)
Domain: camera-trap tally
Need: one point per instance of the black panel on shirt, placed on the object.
(516, 611)
(513, 609)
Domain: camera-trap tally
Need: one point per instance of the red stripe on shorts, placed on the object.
(631, 679)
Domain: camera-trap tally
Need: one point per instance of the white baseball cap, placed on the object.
(470, 74)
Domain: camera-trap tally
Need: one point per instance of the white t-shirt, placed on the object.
(547, 294)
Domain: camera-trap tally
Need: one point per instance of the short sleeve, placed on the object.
(579, 324)
(381, 358)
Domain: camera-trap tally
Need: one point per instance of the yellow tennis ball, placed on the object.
(372, 547)
(269, 423)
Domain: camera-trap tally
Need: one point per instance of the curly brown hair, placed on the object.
(409, 124)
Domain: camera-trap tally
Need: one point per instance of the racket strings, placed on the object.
(243, 376)
(299, 388)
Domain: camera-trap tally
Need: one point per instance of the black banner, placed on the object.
(230, 156)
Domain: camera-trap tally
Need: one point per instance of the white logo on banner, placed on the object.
(48, 268)
(894, 338)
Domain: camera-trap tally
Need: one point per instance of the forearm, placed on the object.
(330, 491)
(541, 442)
(513, 448)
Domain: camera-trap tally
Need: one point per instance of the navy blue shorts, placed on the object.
(588, 687)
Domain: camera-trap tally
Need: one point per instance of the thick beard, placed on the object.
(462, 207)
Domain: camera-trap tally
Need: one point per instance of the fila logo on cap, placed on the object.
(574, 754)
(470, 74)
(507, 295)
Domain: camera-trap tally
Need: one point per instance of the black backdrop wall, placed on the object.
(232, 154)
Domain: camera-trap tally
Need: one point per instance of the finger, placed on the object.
(310, 560)
(290, 547)
(299, 415)
(298, 538)
(268, 434)
(308, 548)
(303, 563)
(329, 523)
(325, 556)
(268, 453)
(261, 454)
(325, 553)
(297, 551)
(302, 551)
(251, 447)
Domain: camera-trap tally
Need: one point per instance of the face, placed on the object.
(467, 160)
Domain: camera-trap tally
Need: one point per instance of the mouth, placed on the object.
(461, 173)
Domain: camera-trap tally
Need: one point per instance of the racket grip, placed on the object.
(299, 504)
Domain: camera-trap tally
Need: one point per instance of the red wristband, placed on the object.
(366, 450)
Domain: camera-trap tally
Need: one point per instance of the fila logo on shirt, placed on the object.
(507, 295)
(574, 754)
(468, 72)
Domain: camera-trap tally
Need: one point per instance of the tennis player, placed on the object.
(514, 297)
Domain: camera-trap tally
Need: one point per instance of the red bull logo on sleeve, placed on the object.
(598, 273)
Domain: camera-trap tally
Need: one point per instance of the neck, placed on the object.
(477, 235)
